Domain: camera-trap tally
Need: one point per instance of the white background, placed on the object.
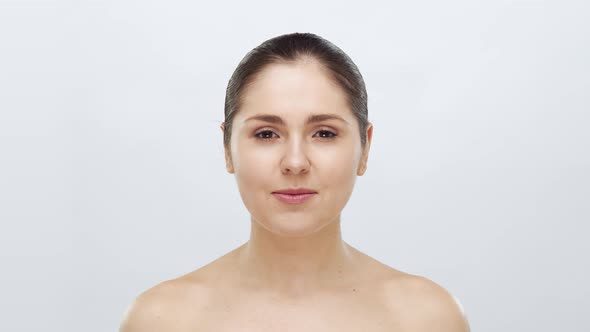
(112, 176)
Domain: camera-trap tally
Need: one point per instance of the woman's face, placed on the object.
(295, 130)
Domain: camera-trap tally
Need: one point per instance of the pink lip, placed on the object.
(293, 199)
(295, 191)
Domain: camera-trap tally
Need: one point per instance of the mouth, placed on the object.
(295, 191)
(294, 196)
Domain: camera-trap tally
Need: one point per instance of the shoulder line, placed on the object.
(160, 307)
(426, 304)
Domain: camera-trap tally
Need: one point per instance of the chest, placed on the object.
(325, 315)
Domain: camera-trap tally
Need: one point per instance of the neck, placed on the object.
(294, 267)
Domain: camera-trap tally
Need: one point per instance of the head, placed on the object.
(296, 117)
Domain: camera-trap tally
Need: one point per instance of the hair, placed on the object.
(290, 48)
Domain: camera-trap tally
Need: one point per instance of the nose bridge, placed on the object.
(295, 157)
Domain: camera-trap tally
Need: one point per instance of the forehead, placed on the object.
(293, 91)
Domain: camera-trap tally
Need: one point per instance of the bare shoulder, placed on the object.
(425, 305)
(165, 307)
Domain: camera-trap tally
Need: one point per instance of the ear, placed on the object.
(362, 168)
(228, 161)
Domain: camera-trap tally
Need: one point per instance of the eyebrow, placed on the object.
(275, 119)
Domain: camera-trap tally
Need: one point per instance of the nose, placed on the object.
(295, 160)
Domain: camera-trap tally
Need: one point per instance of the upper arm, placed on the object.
(430, 307)
(442, 311)
(446, 314)
(460, 312)
(146, 313)
(164, 307)
(169, 306)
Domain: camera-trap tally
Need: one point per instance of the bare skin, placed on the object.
(295, 273)
(367, 296)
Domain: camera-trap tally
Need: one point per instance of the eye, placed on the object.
(326, 134)
(265, 135)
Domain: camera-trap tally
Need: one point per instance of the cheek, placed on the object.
(337, 169)
(252, 168)
(340, 160)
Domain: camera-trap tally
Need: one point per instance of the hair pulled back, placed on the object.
(290, 48)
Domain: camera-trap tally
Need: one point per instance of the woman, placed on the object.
(296, 136)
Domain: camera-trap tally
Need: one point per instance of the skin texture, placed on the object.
(295, 273)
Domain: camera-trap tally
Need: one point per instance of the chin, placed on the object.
(291, 226)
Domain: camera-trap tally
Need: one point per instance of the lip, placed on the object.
(295, 191)
(294, 196)
(293, 199)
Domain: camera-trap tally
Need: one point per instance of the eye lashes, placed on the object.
(259, 134)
